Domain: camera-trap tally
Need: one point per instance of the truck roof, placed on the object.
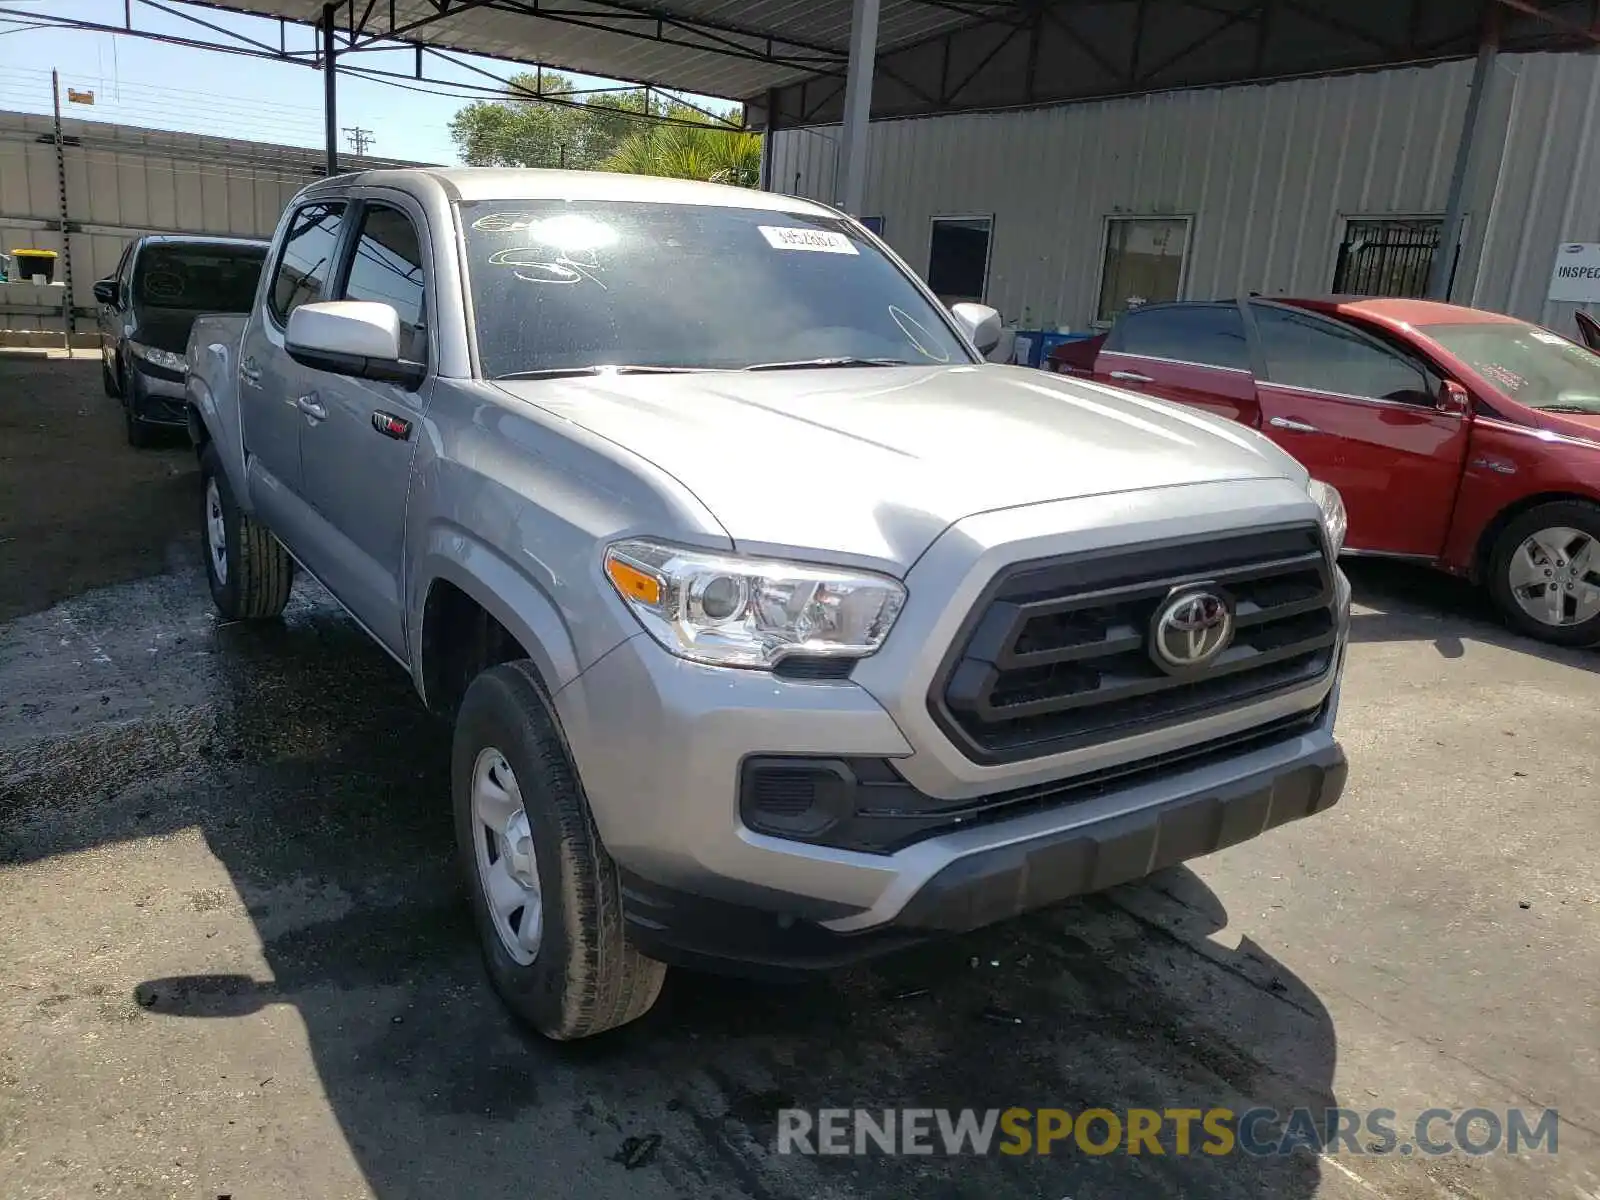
(527, 183)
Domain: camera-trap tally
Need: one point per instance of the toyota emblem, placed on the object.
(1191, 629)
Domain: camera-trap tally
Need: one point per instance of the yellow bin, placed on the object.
(33, 263)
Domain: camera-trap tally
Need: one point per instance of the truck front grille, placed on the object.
(1058, 654)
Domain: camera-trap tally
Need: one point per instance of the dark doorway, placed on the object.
(958, 258)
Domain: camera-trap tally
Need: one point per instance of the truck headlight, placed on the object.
(160, 358)
(732, 611)
(1333, 515)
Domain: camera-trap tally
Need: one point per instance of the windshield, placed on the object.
(1531, 365)
(559, 285)
(198, 278)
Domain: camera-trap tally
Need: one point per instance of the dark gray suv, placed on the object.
(161, 284)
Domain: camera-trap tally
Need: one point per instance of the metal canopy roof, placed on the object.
(734, 48)
(789, 57)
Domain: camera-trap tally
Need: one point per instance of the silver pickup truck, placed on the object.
(777, 627)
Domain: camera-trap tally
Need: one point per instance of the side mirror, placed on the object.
(351, 337)
(1453, 399)
(105, 291)
(980, 323)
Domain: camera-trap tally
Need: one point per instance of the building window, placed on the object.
(1143, 263)
(958, 258)
(1387, 256)
(874, 224)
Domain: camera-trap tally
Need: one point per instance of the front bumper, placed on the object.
(990, 885)
(158, 393)
(659, 744)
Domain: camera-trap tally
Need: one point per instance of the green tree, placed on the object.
(685, 152)
(519, 131)
(582, 134)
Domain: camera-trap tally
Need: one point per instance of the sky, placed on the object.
(137, 81)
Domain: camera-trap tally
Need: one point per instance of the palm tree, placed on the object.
(690, 152)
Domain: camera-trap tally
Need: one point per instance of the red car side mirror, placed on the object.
(1454, 399)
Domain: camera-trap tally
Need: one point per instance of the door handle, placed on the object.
(1292, 425)
(309, 406)
(1131, 377)
(249, 372)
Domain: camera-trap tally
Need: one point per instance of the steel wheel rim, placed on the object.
(1554, 576)
(216, 531)
(508, 870)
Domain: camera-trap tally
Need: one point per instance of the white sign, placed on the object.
(1576, 277)
(783, 237)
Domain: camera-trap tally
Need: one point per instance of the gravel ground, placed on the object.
(238, 961)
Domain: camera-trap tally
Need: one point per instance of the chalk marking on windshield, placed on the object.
(534, 264)
(506, 222)
(907, 323)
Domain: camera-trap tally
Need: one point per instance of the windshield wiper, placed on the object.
(800, 364)
(1588, 410)
(598, 369)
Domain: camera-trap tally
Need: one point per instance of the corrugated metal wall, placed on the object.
(123, 181)
(1267, 172)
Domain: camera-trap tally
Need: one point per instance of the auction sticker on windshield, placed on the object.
(783, 237)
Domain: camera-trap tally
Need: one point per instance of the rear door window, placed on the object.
(305, 265)
(1210, 335)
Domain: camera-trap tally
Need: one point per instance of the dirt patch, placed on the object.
(79, 507)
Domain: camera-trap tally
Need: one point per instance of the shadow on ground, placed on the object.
(1408, 603)
(78, 508)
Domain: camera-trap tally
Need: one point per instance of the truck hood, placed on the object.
(875, 463)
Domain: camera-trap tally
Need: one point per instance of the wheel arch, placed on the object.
(475, 610)
(1484, 549)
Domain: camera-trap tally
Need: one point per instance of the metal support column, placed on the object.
(69, 310)
(768, 145)
(1442, 272)
(330, 86)
(851, 189)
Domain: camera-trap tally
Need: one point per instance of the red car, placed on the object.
(1459, 438)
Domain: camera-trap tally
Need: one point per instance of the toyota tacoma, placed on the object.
(777, 627)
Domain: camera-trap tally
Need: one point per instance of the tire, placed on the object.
(581, 976)
(140, 435)
(253, 579)
(1518, 563)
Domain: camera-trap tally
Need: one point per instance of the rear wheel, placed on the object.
(250, 573)
(545, 894)
(1544, 573)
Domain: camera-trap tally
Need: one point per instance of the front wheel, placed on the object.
(250, 573)
(545, 894)
(1544, 573)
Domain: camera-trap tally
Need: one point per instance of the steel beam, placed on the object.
(858, 105)
(1444, 258)
(330, 85)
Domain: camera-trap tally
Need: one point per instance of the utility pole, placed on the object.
(360, 138)
(69, 318)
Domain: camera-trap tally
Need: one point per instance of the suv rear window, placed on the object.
(1211, 335)
(198, 278)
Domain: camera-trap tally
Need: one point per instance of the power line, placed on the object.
(359, 138)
